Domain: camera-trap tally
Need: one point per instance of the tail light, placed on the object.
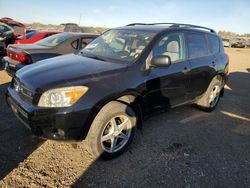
(19, 55)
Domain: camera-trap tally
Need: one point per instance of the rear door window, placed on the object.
(197, 45)
(214, 44)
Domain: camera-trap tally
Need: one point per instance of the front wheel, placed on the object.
(111, 131)
(210, 99)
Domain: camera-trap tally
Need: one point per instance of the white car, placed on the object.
(226, 42)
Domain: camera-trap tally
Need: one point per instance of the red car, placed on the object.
(35, 36)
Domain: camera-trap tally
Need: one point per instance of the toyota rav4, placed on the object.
(103, 93)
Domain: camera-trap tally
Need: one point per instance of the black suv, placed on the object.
(103, 93)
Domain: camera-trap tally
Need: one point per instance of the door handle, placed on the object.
(186, 70)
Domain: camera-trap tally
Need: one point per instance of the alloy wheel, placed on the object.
(116, 134)
(214, 96)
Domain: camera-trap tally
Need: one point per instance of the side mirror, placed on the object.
(160, 61)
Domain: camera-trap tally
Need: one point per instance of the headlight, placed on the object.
(62, 97)
(2, 38)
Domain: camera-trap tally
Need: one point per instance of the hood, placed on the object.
(65, 70)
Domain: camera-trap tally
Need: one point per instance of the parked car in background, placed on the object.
(20, 55)
(18, 27)
(102, 93)
(35, 36)
(248, 43)
(6, 37)
(238, 44)
(9, 31)
(226, 42)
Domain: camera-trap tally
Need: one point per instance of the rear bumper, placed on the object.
(10, 67)
(56, 124)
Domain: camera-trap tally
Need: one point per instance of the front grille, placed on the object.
(26, 92)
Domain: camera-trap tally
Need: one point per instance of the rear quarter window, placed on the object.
(197, 45)
(75, 44)
(54, 40)
(214, 44)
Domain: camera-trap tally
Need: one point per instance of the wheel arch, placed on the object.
(223, 78)
(130, 98)
(200, 100)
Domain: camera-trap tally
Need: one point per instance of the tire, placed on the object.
(112, 131)
(211, 98)
(1, 63)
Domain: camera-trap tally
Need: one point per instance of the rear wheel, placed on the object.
(210, 99)
(111, 131)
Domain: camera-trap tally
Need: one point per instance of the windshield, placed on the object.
(31, 34)
(122, 45)
(54, 40)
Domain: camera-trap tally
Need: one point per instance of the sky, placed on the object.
(229, 15)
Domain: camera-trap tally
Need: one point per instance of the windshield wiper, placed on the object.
(93, 56)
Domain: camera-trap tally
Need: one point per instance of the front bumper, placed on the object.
(11, 67)
(50, 123)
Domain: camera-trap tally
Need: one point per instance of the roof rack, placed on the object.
(176, 25)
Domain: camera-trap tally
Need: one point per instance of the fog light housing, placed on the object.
(58, 133)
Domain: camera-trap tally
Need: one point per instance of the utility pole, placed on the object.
(80, 17)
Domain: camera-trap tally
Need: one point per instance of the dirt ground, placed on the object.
(183, 147)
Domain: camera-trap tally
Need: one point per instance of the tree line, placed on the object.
(232, 34)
